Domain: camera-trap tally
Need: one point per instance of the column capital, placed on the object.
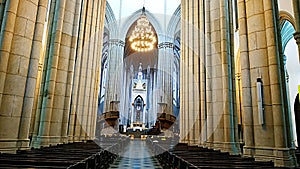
(297, 37)
(165, 45)
(117, 42)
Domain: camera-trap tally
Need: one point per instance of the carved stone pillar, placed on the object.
(15, 54)
(115, 68)
(261, 61)
(164, 76)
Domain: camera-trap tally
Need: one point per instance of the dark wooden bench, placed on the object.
(187, 157)
(75, 155)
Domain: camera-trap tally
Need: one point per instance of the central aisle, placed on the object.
(136, 156)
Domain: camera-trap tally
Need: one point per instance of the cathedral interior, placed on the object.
(149, 84)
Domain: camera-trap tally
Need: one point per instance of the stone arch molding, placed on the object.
(120, 31)
(284, 15)
(110, 21)
(123, 29)
(287, 33)
(174, 24)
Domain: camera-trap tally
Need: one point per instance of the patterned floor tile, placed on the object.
(136, 156)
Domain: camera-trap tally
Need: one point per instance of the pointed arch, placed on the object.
(125, 26)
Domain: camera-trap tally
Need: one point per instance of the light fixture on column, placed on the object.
(142, 38)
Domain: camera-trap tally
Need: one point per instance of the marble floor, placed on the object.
(136, 156)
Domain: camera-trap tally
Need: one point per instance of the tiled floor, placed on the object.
(136, 156)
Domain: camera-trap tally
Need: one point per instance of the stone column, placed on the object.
(89, 111)
(63, 73)
(68, 54)
(271, 138)
(9, 22)
(49, 79)
(98, 54)
(124, 107)
(85, 102)
(296, 7)
(231, 142)
(245, 79)
(208, 60)
(74, 125)
(37, 54)
(154, 95)
(259, 68)
(115, 59)
(15, 50)
(165, 62)
(191, 71)
(281, 115)
(78, 116)
(208, 79)
(184, 125)
(84, 85)
(203, 52)
(216, 74)
(100, 28)
(150, 113)
(39, 93)
(194, 66)
(191, 90)
(40, 49)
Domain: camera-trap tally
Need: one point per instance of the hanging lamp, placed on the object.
(142, 38)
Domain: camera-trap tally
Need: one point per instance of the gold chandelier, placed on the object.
(142, 38)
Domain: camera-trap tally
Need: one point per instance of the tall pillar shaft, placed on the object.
(50, 54)
(51, 69)
(208, 77)
(74, 126)
(125, 107)
(31, 83)
(245, 78)
(164, 77)
(270, 136)
(189, 77)
(206, 73)
(183, 106)
(203, 51)
(86, 85)
(115, 68)
(70, 74)
(16, 40)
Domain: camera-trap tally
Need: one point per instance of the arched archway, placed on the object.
(135, 63)
(131, 20)
(291, 66)
(138, 109)
(134, 58)
(286, 16)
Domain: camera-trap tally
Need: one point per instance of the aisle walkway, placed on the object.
(136, 156)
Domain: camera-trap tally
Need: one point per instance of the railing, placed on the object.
(166, 117)
(111, 115)
(111, 118)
